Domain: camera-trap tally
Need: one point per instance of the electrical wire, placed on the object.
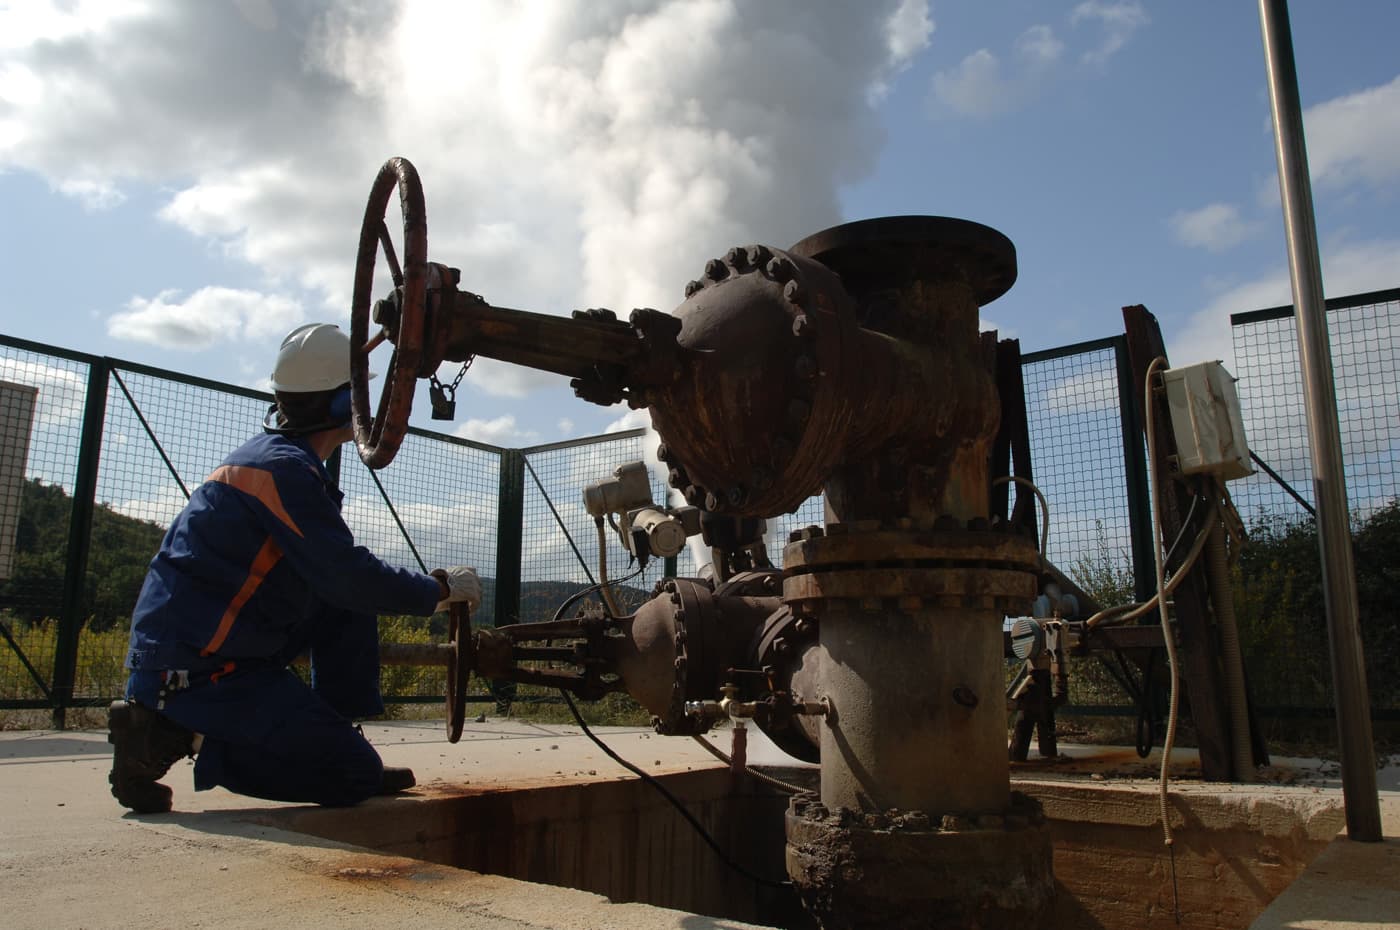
(675, 802)
(1158, 562)
(579, 595)
(604, 587)
(1133, 611)
(1044, 507)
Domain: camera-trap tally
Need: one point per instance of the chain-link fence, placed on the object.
(99, 454)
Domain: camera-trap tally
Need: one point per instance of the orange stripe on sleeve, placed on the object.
(263, 562)
(259, 483)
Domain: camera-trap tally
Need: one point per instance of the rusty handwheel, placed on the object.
(459, 635)
(401, 320)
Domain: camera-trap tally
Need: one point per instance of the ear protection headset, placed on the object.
(337, 415)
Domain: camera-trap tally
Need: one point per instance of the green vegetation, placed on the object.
(1282, 616)
(1280, 611)
(120, 551)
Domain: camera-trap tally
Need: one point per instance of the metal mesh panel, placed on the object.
(550, 569)
(1282, 619)
(1072, 410)
(138, 496)
(40, 428)
(1365, 342)
(812, 512)
(1073, 416)
(445, 494)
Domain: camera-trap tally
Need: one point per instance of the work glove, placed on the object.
(462, 585)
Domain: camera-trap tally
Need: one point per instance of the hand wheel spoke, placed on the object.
(389, 256)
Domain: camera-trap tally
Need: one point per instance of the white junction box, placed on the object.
(1206, 420)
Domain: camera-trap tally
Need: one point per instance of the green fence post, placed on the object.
(1135, 475)
(72, 612)
(510, 523)
(510, 535)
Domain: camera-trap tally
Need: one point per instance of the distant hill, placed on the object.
(121, 549)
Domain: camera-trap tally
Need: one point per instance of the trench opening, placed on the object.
(1235, 851)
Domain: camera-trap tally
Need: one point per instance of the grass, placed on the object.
(101, 676)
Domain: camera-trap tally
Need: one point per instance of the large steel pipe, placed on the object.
(909, 583)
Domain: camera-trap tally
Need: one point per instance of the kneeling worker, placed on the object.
(256, 569)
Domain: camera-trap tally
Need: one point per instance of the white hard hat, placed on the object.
(313, 357)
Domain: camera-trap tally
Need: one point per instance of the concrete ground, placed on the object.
(70, 857)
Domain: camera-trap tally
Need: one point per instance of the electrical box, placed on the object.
(16, 419)
(1206, 421)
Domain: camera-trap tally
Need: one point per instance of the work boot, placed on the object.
(145, 746)
(396, 779)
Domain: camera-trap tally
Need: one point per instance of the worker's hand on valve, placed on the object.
(461, 584)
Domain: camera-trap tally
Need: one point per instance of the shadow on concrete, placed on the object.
(45, 746)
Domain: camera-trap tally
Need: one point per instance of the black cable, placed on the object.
(574, 598)
(666, 793)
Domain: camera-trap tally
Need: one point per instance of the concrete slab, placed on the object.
(70, 856)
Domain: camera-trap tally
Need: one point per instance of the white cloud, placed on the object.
(24, 23)
(162, 509)
(501, 431)
(1347, 268)
(632, 419)
(61, 391)
(976, 87)
(981, 87)
(565, 427)
(207, 317)
(1216, 227)
(93, 195)
(1356, 138)
(445, 532)
(1039, 45)
(571, 155)
(907, 33)
(1082, 393)
(1119, 19)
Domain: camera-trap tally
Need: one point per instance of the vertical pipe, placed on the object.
(1334, 534)
(71, 614)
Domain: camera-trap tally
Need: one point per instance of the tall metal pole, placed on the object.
(1333, 531)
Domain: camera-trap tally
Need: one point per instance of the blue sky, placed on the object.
(183, 182)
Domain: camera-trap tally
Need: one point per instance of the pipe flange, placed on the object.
(932, 542)
(910, 589)
(891, 250)
(684, 595)
(909, 566)
(918, 869)
(758, 296)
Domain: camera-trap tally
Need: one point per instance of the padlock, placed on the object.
(444, 404)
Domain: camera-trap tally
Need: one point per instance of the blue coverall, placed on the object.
(256, 569)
